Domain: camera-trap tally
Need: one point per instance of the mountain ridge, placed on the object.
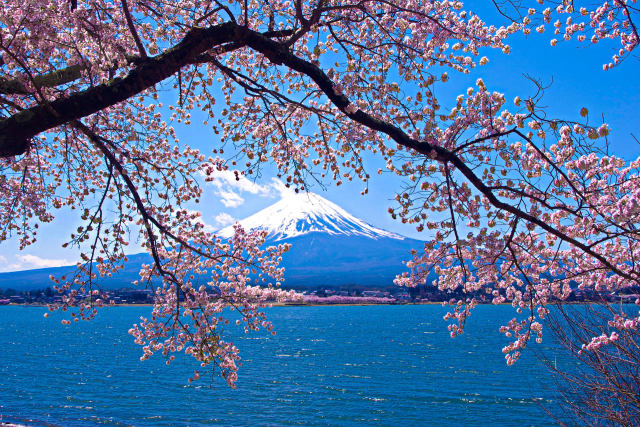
(330, 248)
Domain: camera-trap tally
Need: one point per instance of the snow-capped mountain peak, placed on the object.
(298, 214)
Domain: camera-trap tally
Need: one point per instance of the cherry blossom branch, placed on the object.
(16, 130)
(453, 222)
(147, 219)
(132, 29)
(52, 79)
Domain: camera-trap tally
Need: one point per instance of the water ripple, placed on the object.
(365, 365)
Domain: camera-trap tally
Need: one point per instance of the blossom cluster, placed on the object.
(611, 20)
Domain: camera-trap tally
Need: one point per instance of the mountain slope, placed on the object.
(319, 259)
(330, 248)
(27, 280)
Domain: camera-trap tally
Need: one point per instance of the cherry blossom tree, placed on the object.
(525, 206)
(602, 387)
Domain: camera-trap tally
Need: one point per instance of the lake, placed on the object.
(328, 365)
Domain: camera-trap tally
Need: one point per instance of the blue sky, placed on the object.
(578, 81)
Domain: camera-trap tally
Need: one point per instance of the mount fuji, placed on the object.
(330, 248)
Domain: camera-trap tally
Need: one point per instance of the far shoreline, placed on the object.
(353, 304)
(276, 304)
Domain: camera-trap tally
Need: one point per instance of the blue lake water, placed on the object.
(336, 365)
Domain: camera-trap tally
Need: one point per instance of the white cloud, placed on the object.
(28, 261)
(279, 188)
(229, 186)
(230, 198)
(229, 180)
(12, 267)
(6, 266)
(224, 219)
(34, 261)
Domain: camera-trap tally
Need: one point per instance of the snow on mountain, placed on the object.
(297, 214)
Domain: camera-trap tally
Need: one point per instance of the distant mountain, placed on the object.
(27, 280)
(330, 248)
